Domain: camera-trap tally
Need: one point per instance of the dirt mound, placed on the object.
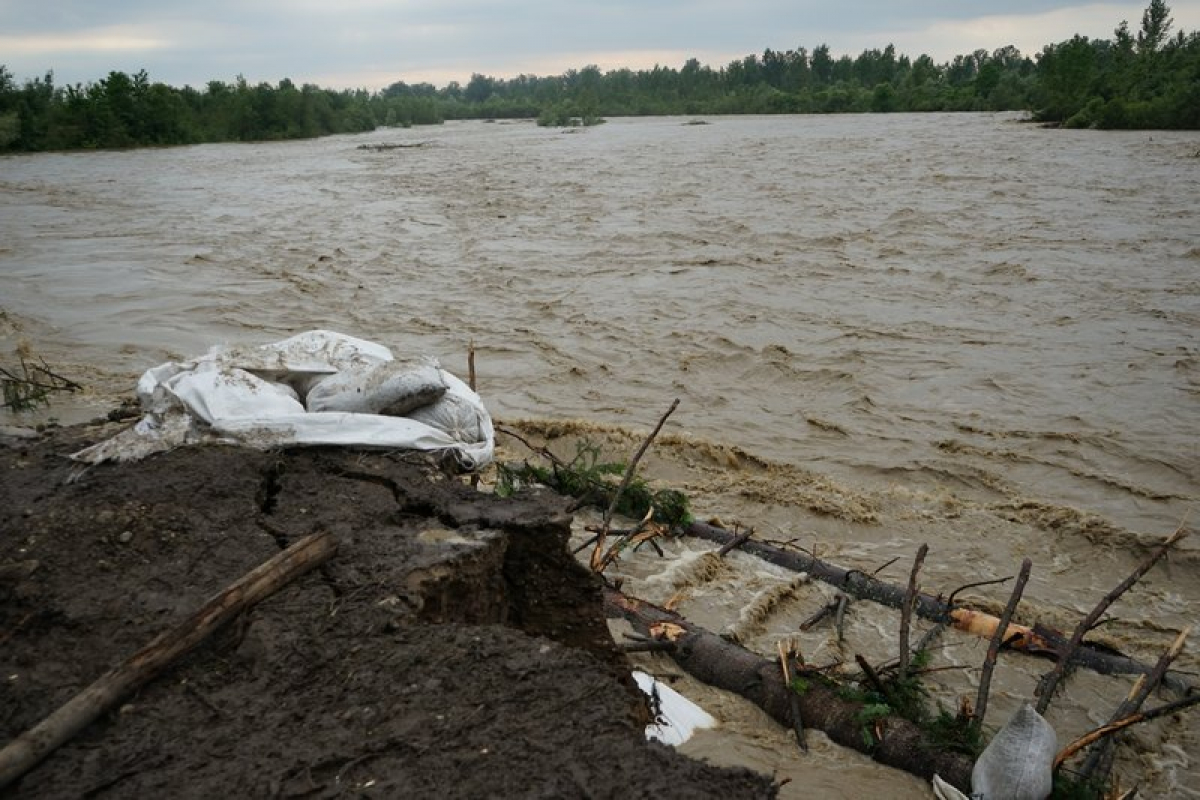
(451, 648)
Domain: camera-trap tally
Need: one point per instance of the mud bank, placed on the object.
(452, 647)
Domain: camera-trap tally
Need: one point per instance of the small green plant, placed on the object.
(954, 732)
(32, 384)
(593, 482)
(871, 712)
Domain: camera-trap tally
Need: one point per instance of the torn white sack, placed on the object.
(316, 388)
(675, 717)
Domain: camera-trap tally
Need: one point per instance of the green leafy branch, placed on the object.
(594, 482)
(32, 384)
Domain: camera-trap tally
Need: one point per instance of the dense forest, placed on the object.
(1147, 79)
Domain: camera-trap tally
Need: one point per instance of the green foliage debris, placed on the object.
(593, 482)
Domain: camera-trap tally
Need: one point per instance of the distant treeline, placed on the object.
(1150, 79)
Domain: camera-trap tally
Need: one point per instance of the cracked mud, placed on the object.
(452, 647)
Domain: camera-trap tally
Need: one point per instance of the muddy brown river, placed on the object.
(884, 330)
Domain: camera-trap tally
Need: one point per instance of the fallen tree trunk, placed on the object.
(891, 740)
(851, 581)
(28, 749)
(1037, 640)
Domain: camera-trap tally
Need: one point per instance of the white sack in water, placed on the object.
(678, 718)
(255, 396)
(1018, 763)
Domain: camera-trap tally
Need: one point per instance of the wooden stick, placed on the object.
(1121, 724)
(598, 563)
(998, 638)
(839, 617)
(1049, 682)
(874, 679)
(823, 612)
(471, 364)
(906, 610)
(1138, 693)
(27, 750)
(736, 543)
(632, 468)
(794, 710)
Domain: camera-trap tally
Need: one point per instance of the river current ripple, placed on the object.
(961, 308)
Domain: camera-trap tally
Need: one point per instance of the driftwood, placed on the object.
(1036, 640)
(893, 741)
(1050, 681)
(28, 749)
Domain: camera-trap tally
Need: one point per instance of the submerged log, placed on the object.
(891, 740)
(1036, 640)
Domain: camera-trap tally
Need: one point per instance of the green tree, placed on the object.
(1156, 26)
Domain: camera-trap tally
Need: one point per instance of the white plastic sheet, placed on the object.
(677, 717)
(256, 396)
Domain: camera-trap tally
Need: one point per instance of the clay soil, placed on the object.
(450, 648)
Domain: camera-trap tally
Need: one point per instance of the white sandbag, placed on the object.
(212, 394)
(1018, 763)
(393, 388)
(456, 412)
(316, 352)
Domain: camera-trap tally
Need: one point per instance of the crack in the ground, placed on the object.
(270, 486)
(405, 500)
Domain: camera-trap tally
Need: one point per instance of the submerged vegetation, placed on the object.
(1150, 79)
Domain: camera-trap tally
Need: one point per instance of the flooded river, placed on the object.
(883, 330)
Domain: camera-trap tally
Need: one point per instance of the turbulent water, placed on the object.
(883, 330)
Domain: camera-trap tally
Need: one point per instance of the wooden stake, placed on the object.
(785, 653)
(598, 562)
(906, 611)
(998, 638)
(27, 750)
(471, 364)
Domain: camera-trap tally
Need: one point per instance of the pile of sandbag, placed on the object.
(316, 388)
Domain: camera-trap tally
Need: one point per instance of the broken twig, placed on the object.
(785, 655)
(741, 539)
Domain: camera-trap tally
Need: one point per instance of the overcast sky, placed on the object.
(373, 43)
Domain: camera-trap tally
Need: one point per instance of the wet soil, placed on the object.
(452, 647)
